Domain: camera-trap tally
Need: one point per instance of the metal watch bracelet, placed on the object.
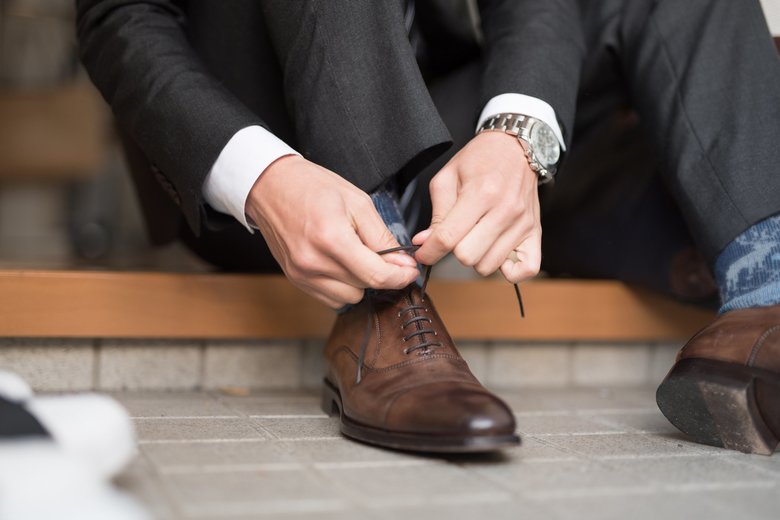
(519, 126)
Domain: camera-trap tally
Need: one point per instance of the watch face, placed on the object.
(546, 148)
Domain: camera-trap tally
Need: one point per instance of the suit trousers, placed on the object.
(673, 143)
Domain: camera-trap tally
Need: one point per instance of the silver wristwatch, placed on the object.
(536, 137)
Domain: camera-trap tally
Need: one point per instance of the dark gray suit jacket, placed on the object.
(182, 77)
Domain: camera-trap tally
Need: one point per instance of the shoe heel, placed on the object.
(330, 402)
(722, 405)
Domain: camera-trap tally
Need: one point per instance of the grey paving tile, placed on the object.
(579, 399)
(379, 487)
(563, 470)
(258, 364)
(690, 473)
(531, 450)
(253, 492)
(172, 404)
(539, 449)
(336, 513)
(343, 451)
(267, 394)
(517, 365)
(152, 364)
(769, 465)
(626, 445)
(638, 506)
(259, 406)
(500, 509)
(611, 364)
(550, 479)
(567, 423)
(755, 504)
(300, 428)
(476, 355)
(649, 421)
(216, 456)
(141, 480)
(662, 358)
(196, 429)
(312, 364)
(50, 364)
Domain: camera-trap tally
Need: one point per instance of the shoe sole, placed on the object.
(331, 405)
(723, 404)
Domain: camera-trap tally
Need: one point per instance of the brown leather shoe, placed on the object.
(396, 380)
(724, 389)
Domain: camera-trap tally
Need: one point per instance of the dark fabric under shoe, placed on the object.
(396, 380)
(724, 389)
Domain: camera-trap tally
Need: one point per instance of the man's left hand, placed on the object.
(486, 205)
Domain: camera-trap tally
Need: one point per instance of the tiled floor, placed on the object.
(586, 453)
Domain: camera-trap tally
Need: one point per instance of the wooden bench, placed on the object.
(166, 305)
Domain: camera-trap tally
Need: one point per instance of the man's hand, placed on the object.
(486, 205)
(324, 232)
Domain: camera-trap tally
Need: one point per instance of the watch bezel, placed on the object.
(536, 143)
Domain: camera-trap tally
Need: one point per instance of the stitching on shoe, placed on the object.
(378, 349)
(366, 368)
(760, 343)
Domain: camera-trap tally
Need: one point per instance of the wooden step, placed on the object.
(168, 305)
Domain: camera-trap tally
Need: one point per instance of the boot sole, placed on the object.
(331, 405)
(723, 404)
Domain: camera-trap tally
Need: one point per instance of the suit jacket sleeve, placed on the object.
(137, 54)
(534, 47)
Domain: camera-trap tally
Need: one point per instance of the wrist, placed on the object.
(537, 139)
(505, 146)
(265, 182)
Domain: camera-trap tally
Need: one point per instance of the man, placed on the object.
(219, 96)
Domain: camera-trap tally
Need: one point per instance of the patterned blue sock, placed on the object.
(748, 270)
(386, 203)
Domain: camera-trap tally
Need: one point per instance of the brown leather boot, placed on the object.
(724, 389)
(396, 380)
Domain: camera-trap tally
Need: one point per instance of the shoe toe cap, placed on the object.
(451, 409)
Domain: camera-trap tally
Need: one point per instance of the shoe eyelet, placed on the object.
(406, 351)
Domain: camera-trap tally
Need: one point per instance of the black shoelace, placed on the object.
(415, 317)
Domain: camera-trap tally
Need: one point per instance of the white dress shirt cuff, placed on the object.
(521, 104)
(245, 157)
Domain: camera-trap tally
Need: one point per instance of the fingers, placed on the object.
(529, 255)
(444, 194)
(370, 227)
(333, 293)
(481, 239)
(422, 236)
(446, 235)
(357, 253)
(496, 251)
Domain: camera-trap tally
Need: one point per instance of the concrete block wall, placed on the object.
(81, 364)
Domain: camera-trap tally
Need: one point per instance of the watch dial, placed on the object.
(545, 145)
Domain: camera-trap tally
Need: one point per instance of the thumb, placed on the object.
(376, 236)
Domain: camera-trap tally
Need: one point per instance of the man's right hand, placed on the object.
(325, 232)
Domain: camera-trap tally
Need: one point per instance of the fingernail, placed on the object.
(401, 259)
(422, 236)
